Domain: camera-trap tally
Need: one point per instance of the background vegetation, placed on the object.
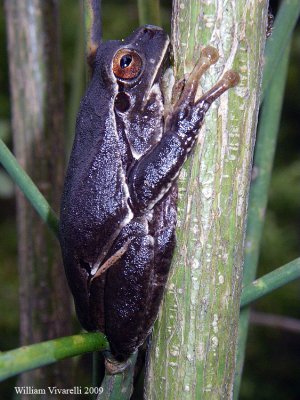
(272, 363)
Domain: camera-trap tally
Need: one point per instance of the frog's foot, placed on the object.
(208, 56)
(230, 79)
(114, 367)
(186, 108)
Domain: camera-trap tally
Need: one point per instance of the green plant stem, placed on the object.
(77, 84)
(271, 281)
(37, 355)
(25, 183)
(263, 164)
(284, 25)
(98, 367)
(194, 342)
(93, 26)
(119, 386)
(149, 12)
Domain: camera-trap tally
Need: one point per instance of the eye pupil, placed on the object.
(125, 61)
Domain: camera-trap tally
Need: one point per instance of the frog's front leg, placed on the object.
(154, 174)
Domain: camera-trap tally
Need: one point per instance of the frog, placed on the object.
(119, 203)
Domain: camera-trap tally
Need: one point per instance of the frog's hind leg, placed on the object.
(163, 226)
(128, 288)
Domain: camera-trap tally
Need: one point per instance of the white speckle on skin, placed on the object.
(186, 388)
(221, 279)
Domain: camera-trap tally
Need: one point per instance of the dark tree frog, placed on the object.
(118, 211)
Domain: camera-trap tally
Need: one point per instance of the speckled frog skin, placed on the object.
(118, 211)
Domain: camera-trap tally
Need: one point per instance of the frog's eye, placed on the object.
(127, 64)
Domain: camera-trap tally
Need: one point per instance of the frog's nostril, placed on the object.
(152, 28)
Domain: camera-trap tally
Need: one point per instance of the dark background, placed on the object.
(272, 366)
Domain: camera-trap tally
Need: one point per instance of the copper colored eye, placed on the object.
(127, 64)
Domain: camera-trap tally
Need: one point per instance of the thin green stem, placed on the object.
(93, 25)
(97, 364)
(271, 281)
(24, 182)
(149, 12)
(284, 25)
(77, 83)
(263, 164)
(37, 355)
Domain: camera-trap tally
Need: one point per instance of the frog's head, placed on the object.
(134, 65)
(127, 85)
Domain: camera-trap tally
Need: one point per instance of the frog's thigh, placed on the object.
(128, 290)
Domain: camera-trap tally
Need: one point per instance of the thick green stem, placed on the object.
(194, 343)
